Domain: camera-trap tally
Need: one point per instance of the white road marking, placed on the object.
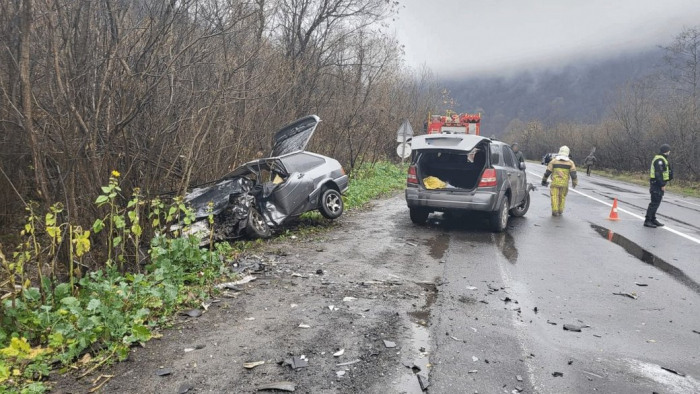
(674, 231)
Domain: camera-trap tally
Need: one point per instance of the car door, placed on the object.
(515, 175)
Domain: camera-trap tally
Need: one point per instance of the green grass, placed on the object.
(372, 181)
(684, 188)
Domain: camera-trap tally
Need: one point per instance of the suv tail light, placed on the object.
(412, 177)
(488, 178)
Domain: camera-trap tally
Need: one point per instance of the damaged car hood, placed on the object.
(295, 136)
(214, 199)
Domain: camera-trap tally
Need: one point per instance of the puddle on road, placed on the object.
(506, 243)
(420, 343)
(438, 245)
(647, 257)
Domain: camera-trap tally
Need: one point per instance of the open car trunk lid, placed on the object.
(458, 142)
(452, 170)
(295, 136)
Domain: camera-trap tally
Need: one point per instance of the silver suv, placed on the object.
(463, 172)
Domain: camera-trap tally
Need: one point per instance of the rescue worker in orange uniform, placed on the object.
(561, 169)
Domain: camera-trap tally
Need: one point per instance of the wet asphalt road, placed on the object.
(569, 268)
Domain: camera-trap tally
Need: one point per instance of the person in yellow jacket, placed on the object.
(660, 174)
(561, 169)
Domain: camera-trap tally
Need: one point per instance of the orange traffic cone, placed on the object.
(613, 212)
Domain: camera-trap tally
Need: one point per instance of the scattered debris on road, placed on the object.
(471, 288)
(339, 353)
(630, 295)
(641, 284)
(348, 363)
(304, 326)
(558, 374)
(297, 362)
(197, 347)
(233, 285)
(164, 372)
(340, 373)
(349, 299)
(519, 378)
(185, 388)
(192, 313)
(673, 371)
(389, 344)
(572, 327)
(282, 386)
(551, 322)
(423, 381)
(475, 358)
(252, 365)
(696, 331)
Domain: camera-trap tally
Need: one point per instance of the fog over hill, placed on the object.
(580, 91)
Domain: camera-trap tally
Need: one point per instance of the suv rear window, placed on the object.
(301, 162)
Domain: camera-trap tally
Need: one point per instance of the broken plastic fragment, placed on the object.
(293, 305)
(519, 378)
(473, 371)
(339, 353)
(185, 388)
(471, 288)
(389, 344)
(551, 322)
(348, 363)
(192, 313)
(242, 281)
(249, 318)
(630, 295)
(282, 386)
(641, 284)
(572, 327)
(332, 308)
(252, 365)
(296, 362)
(557, 374)
(423, 381)
(164, 372)
(304, 326)
(340, 373)
(349, 299)
(673, 371)
(475, 358)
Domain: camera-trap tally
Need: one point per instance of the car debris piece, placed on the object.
(630, 295)
(423, 381)
(293, 305)
(185, 388)
(253, 364)
(597, 336)
(572, 327)
(471, 288)
(249, 318)
(349, 299)
(473, 371)
(535, 310)
(339, 353)
(297, 362)
(319, 272)
(475, 358)
(696, 331)
(641, 284)
(340, 373)
(519, 389)
(282, 386)
(456, 339)
(519, 378)
(558, 374)
(411, 244)
(348, 363)
(506, 299)
(551, 322)
(673, 371)
(196, 347)
(164, 371)
(304, 326)
(389, 344)
(297, 275)
(192, 313)
(232, 285)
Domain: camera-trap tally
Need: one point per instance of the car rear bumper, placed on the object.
(445, 200)
(342, 183)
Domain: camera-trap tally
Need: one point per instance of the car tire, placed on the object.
(419, 215)
(331, 206)
(499, 219)
(257, 227)
(522, 209)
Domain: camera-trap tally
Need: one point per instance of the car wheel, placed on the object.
(499, 219)
(331, 204)
(257, 227)
(419, 215)
(521, 209)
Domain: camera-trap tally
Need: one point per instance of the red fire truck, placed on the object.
(454, 123)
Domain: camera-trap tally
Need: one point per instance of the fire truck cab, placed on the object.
(453, 123)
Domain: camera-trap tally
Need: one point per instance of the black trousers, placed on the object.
(656, 196)
(588, 170)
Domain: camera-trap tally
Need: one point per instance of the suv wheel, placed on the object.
(521, 209)
(499, 219)
(419, 215)
(331, 206)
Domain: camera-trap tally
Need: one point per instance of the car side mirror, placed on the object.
(522, 166)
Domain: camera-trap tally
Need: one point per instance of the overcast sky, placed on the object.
(463, 37)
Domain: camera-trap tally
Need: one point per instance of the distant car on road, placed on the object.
(458, 172)
(547, 158)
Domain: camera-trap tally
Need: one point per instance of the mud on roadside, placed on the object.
(387, 278)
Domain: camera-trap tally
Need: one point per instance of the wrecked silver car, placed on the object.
(262, 194)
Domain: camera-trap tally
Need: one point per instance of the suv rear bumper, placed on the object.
(440, 200)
